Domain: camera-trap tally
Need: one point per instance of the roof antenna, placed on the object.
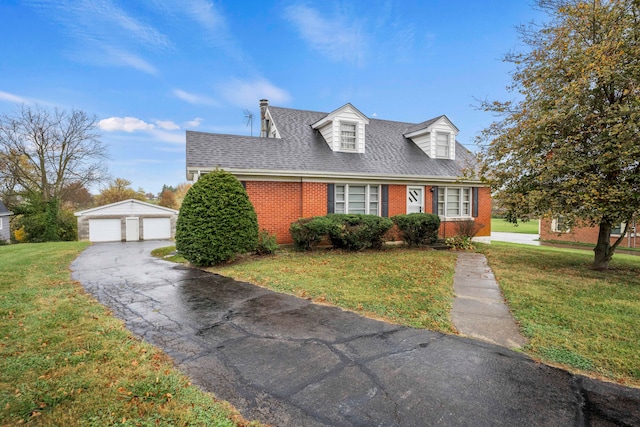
(249, 116)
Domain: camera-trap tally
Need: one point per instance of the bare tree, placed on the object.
(43, 151)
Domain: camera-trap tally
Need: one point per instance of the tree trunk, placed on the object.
(603, 250)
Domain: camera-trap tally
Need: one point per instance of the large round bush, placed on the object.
(216, 221)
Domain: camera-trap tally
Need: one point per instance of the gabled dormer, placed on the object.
(344, 129)
(436, 137)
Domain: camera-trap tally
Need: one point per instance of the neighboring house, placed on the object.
(555, 229)
(307, 163)
(128, 220)
(5, 216)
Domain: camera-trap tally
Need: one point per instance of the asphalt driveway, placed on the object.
(288, 362)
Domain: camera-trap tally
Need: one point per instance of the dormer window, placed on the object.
(348, 136)
(344, 129)
(442, 145)
(436, 137)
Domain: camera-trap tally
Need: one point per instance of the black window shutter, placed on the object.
(244, 184)
(331, 198)
(474, 200)
(384, 211)
(434, 200)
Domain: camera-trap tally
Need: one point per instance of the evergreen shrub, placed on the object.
(267, 243)
(355, 232)
(216, 221)
(418, 229)
(308, 232)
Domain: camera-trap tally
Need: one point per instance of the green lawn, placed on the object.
(65, 361)
(405, 286)
(574, 316)
(529, 227)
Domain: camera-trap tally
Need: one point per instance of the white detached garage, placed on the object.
(128, 220)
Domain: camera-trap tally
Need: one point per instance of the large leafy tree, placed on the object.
(570, 146)
(45, 151)
(43, 154)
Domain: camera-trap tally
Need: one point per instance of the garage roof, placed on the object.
(128, 207)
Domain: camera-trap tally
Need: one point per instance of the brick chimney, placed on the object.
(264, 124)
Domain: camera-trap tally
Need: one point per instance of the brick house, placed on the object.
(307, 163)
(554, 229)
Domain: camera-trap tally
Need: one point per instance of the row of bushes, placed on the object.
(357, 232)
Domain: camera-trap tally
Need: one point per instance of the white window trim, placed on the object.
(355, 137)
(436, 145)
(444, 192)
(555, 229)
(367, 197)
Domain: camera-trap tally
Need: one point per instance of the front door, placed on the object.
(415, 199)
(133, 229)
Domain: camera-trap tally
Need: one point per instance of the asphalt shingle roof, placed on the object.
(303, 149)
(3, 209)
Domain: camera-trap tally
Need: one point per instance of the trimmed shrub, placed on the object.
(308, 232)
(355, 232)
(418, 229)
(267, 243)
(216, 221)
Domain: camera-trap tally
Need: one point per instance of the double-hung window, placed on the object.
(357, 199)
(442, 145)
(454, 201)
(559, 225)
(348, 136)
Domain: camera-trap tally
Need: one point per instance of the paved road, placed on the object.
(285, 361)
(525, 239)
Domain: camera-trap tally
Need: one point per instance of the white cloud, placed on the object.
(167, 125)
(121, 58)
(246, 94)
(192, 98)
(338, 37)
(10, 97)
(194, 123)
(104, 33)
(124, 124)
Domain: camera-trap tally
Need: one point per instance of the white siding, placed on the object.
(327, 133)
(424, 142)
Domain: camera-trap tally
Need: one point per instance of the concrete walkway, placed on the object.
(478, 308)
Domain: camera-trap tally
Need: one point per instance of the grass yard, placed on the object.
(64, 360)
(574, 316)
(406, 286)
(529, 227)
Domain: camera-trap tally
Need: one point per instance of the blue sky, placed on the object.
(151, 69)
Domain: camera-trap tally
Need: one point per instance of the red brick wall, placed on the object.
(278, 204)
(397, 200)
(579, 234)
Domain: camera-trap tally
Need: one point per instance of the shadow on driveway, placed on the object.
(288, 362)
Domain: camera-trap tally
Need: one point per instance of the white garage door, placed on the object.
(156, 228)
(105, 230)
